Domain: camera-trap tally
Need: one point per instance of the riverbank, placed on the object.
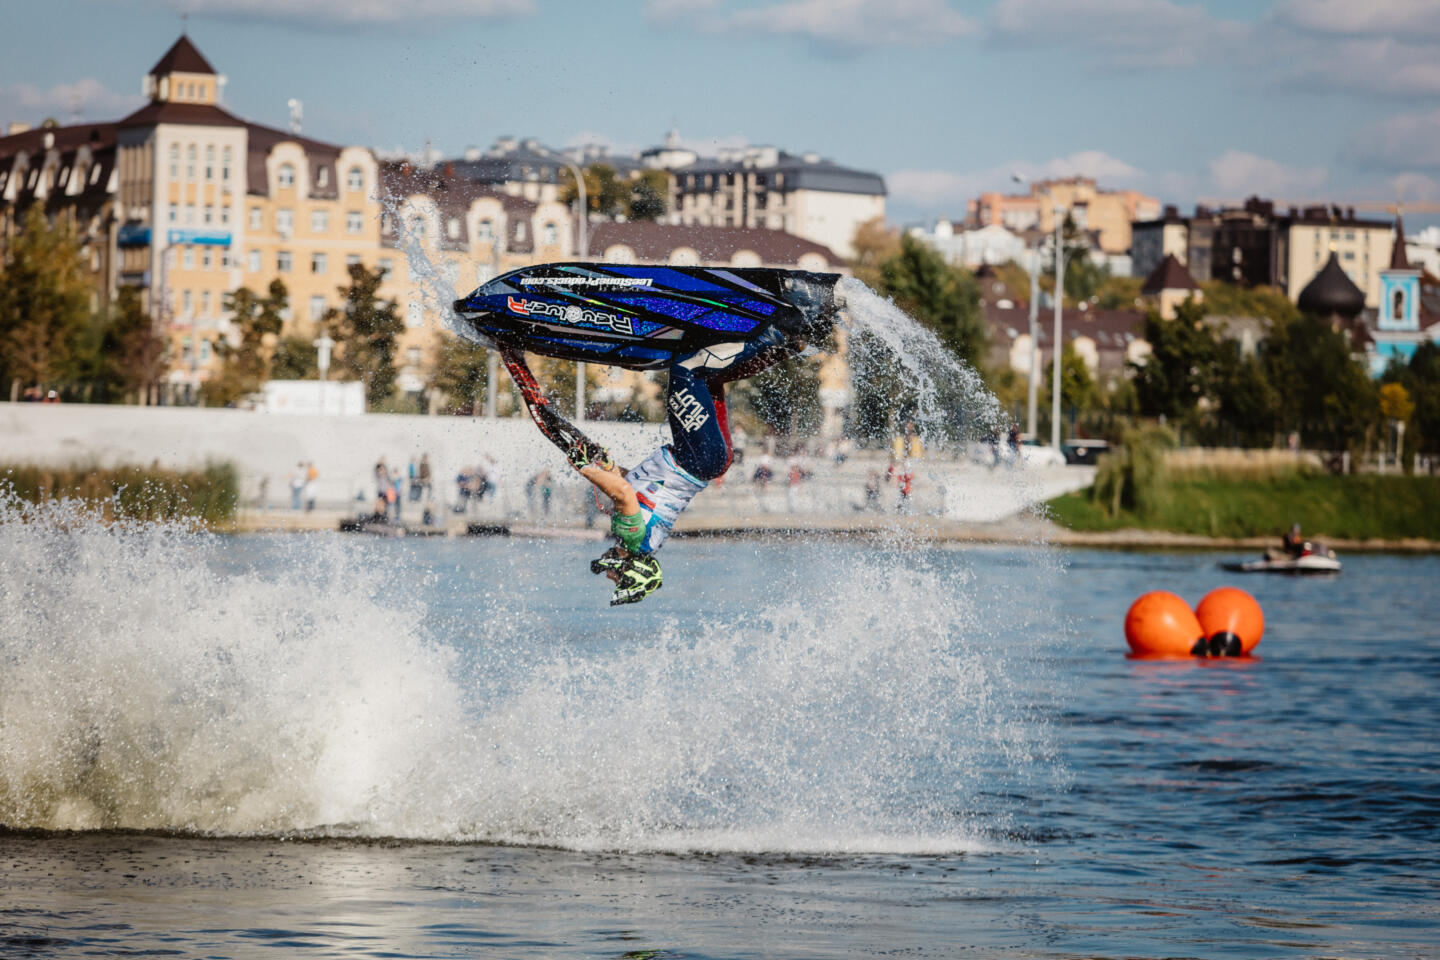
(873, 526)
(1349, 510)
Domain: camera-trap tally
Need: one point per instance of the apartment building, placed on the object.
(1108, 213)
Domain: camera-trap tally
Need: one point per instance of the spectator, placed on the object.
(311, 475)
(412, 472)
(297, 485)
(872, 490)
(423, 475)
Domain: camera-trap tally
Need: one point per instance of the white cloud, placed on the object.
(948, 190)
(1361, 17)
(1124, 33)
(1236, 174)
(859, 23)
(352, 12)
(1414, 187)
(1401, 142)
(26, 102)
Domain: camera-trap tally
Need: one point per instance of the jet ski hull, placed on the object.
(641, 317)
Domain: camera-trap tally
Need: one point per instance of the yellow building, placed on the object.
(1106, 212)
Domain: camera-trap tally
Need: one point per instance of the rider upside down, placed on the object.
(649, 498)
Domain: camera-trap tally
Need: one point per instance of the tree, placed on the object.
(245, 366)
(942, 297)
(44, 301)
(365, 330)
(874, 244)
(1421, 380)
(136, 352)
(1325, 393)
(1248, 403)
(462, 373)
(295, 358)
(1077, 386)
(650, 195)
(787, 397)
(1181, 368)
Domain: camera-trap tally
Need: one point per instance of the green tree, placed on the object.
(787, 397)
(136, 352)
(295, 358)
(1325, 393)
(1248, 402)
(366, 329)
(874, 243)
(462, 373)
(44, 303)
(245, 365)
(1181, 368)
(650, 195)
(1077, 386)
(944, 298)
(1421, 379)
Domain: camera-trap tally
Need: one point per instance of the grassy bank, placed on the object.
(140, 493)
(1352, 508)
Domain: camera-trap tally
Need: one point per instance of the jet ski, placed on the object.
(1316, 558)
(640, 317)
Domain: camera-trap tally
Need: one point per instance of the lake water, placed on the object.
(240, 747)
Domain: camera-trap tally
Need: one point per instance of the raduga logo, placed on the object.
(570, 313)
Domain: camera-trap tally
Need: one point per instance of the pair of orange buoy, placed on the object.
(1228, 622)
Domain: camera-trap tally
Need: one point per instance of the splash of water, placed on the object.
(152, 682)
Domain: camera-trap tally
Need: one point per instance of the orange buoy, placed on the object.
(1160, 624)
(1232, 621)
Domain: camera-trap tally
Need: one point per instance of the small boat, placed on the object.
(1316, 559)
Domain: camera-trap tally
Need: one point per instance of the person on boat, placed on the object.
(1293, 543)
(648, 498)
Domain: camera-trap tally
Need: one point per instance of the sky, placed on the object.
(1323, 100)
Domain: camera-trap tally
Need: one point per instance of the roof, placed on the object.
(1110, 329)
(182, 57)
(800, 174)
(1398, 259)
(1170, 274)
(66, 138)
(168, 111)
(1332, 292)
(656, 241)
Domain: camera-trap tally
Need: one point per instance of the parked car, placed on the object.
(1084, 451)
(1037, 455)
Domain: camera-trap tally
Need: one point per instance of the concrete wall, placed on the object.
(343, 449)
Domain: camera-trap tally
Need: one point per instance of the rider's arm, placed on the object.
(613, 484)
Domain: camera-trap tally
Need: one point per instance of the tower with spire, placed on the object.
(1399, 289)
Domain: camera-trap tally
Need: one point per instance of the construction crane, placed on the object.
(1338, 209)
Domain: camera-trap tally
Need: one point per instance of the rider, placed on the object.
(1293, 543)
(650, 497)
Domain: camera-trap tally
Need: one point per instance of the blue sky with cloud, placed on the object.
(1299, 99)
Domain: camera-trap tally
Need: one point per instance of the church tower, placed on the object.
(1399, 290)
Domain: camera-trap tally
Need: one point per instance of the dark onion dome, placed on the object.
(1332, 293)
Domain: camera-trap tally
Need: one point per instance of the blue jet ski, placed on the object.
(639, 317)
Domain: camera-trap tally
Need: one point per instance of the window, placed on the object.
(317, 307)
(417, 227)
(187, 349)
(452, 228)
(254, 261)
(188, 301)
(205, 304)
(414, 316)
(385, 265)
(174, 212)
(209, 214)
(283, 261)
(286, 176)
(225, 166)
(204, 351)
(319, 263)
(322, 177)
(285, 222)
(354, 223)
(174, 161)
(225, 214)
(352, 260)
(205, 258)
(1349, 255)
(257, 218)
(190, 214)
(189, 259)
(1398, 311)
(412, 356)
(487, 230)
(190, 162)
(210, 162)
(319, 221)
(551, 233)
(355, 179)
(520, 230)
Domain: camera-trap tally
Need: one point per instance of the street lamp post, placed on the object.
(1032, 376)
(323, 345)
(583, 244)
(1057, 350)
